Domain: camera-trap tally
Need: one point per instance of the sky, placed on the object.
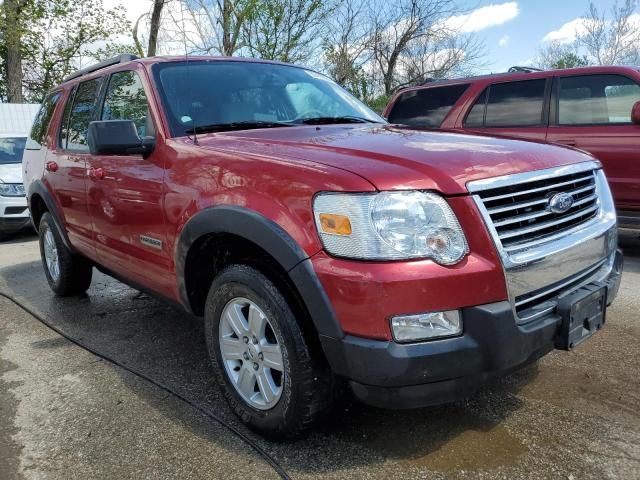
(512, 31)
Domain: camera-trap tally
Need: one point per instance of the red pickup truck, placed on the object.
(595, 109)
(323, 246)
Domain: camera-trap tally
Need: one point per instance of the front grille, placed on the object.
(520, 213)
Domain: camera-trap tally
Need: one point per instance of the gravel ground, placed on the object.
(65, 413)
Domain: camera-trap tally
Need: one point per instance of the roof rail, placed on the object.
(125, 57)
(518, 69)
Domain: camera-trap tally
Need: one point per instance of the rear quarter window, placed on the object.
(43, 118)
(426, 107)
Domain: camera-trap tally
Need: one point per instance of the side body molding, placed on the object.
(269, 236)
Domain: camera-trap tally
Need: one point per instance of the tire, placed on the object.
(304, 384)
(67, 274)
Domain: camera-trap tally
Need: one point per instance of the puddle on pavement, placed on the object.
(445, 439)
(475, 449)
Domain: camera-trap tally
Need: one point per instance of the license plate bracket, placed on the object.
(583, 313)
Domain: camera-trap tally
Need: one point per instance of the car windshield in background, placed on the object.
(11, 149)
(215, 96)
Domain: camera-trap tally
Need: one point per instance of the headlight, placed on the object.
(389, 226)
(11, 190)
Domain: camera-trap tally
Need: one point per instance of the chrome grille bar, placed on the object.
(534, 190)
(546, 254)
(520, 212)
(540, 226)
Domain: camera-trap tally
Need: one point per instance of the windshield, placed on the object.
(198, 94)
(11, 149)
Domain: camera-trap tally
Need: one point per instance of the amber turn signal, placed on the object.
(335, 224)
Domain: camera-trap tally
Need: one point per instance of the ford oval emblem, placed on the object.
(560, 202)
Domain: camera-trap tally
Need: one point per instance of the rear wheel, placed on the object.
(67, 274)
(261, 359)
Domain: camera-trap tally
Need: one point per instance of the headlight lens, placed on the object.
(11, 190)
(390, 226)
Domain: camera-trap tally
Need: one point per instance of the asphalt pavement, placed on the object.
(68, 413)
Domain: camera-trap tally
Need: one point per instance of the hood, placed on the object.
(11, 173)
(396, 158)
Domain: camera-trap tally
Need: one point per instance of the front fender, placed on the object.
(274, 240)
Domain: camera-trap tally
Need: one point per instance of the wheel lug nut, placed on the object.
(261, 356)
(245, 355)
(245, 339)
(255, 340)
(255, 366)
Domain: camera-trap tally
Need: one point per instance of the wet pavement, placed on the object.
(65, 413)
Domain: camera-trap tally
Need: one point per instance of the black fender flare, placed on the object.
(274, 240)
(38, 188)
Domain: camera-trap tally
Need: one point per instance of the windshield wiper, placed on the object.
(242, 125)
(329, 120)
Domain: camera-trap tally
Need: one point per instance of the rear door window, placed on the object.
(516, 104)
(426, 107)
(596, 99)
(82, 112)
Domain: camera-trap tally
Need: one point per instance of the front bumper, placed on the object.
(14, 214)
(391, 375)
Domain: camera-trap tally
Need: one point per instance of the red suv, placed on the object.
(322, 246)
(596, 109)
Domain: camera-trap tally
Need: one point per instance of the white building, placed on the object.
(16, 118)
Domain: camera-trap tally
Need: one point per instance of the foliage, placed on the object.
(58, 36)
(558, 55)
(379, 103)
(285, 30)
(570, 60)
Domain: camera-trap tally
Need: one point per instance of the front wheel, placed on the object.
(262, 361)
(67, 274)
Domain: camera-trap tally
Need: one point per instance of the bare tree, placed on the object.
(346, 46)
(154, 26)
(285, 30)
(211, 26)
(440, 55)
(612, 41)
(397, 25)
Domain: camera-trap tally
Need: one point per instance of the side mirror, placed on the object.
(635, 113)
(117, 137)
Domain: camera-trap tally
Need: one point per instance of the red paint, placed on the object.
(635, 113)
(52, 167)
(108, 202)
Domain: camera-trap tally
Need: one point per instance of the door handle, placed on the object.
(96, 173)
(51, 166)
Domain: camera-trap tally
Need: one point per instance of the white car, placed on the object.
(14, 214)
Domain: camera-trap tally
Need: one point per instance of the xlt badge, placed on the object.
(151, 242)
